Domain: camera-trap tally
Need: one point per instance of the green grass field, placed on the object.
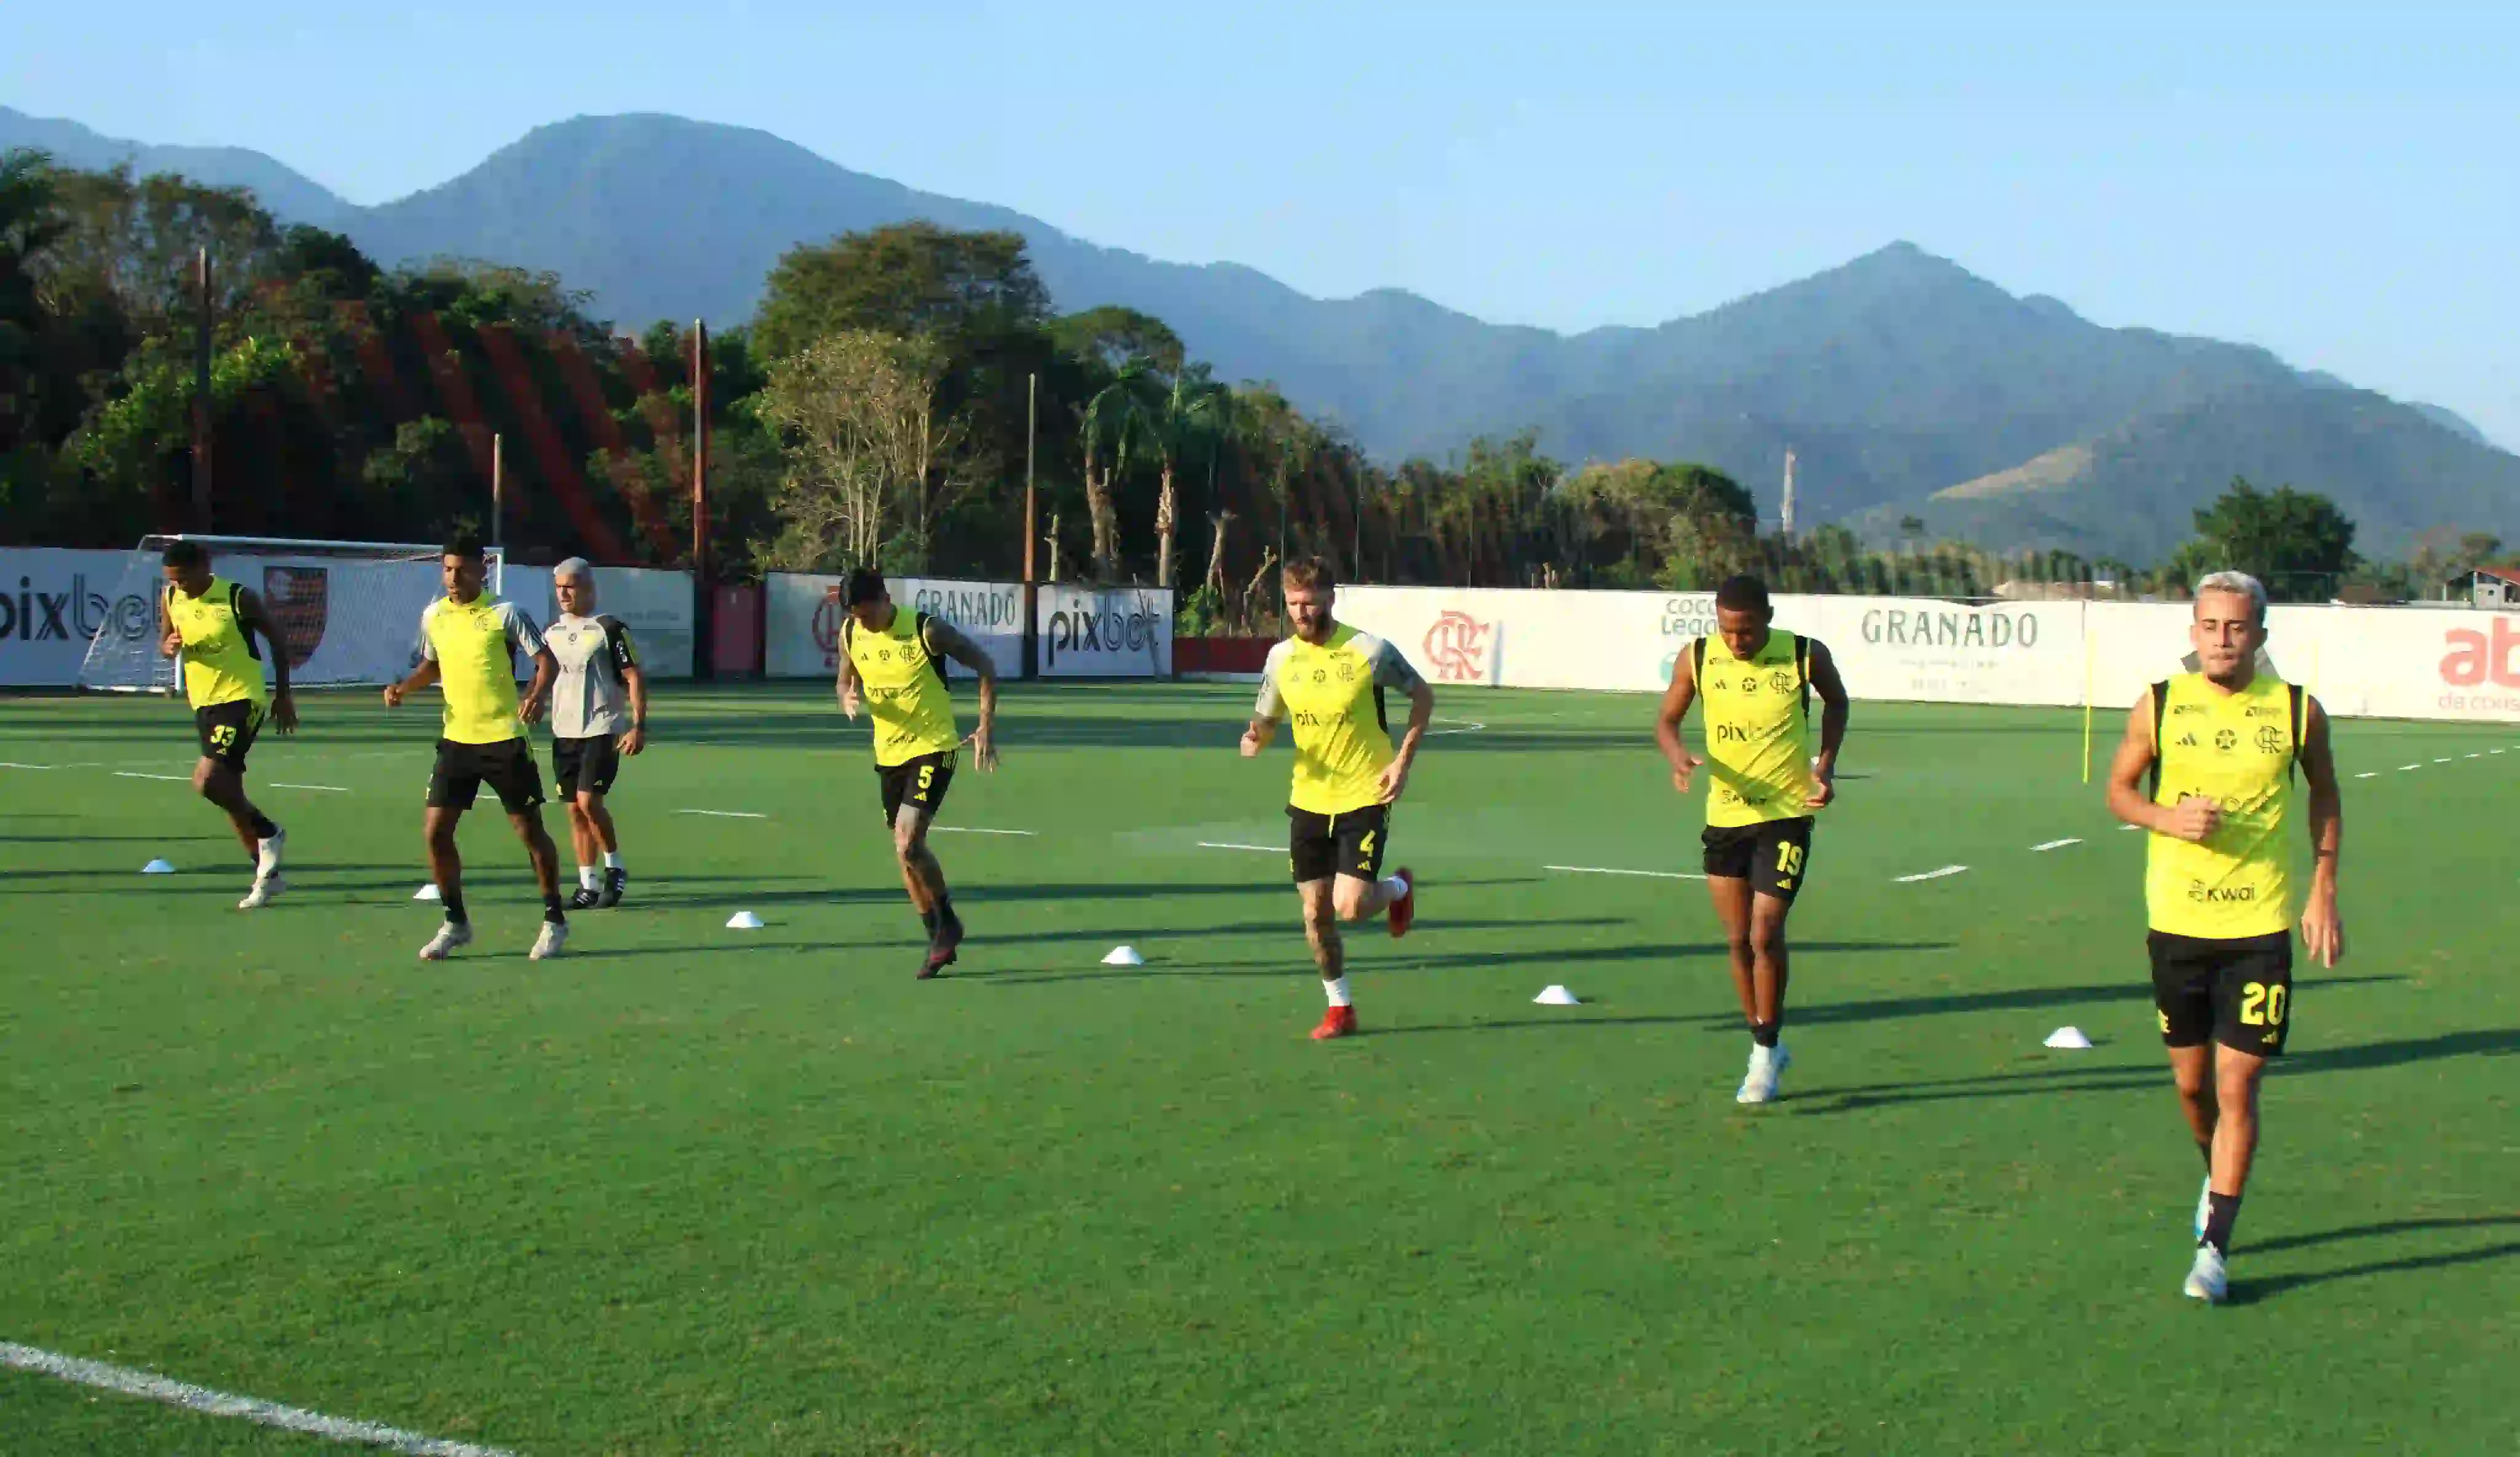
(696, 1190)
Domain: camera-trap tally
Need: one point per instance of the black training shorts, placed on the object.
(585, 765)
(1349, 843)
(508, 769)
(1772, 856)
(2237, 992)
(918, 782)
(227, 730)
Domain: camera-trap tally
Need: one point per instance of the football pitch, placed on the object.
(692, 1189)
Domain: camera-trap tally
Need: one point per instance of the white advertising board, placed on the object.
(52, 602)
(655, 605)
(1111, 632)
(803, 614)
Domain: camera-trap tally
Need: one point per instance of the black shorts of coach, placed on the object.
(1774, 856)
(585, 766)
(1348, 843)
(227, 730)
(918, 782)
(508, 769)
(2237, 992)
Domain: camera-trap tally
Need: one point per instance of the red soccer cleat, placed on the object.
(1404, 911)
(1337, 1021)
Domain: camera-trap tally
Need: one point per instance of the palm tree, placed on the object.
(1124, 411)
(1197, 409)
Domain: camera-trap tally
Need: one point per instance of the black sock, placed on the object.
(1765, 1033)
(2205, 1151)
(2222, 1212)
(552, 909)
(945, 913)
(455, 908)
(928, 919)
(263, 828)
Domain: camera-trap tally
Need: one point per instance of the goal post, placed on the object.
(348, 611)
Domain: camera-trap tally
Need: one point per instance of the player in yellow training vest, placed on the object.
(892, 663)
(2220, 747)
(1330, 680)
(467, 646)
(1768, 781)
(211, 626)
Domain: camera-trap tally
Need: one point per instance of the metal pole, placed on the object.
(704, 650)
(498, 489)
(1032, 534)
(201, 396)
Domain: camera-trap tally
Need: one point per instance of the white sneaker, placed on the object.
(266, 862)
(1759, 1084)
(449, 937)
(266, 890)
(2204, 1206)
(2207, 1279)
(553, 939)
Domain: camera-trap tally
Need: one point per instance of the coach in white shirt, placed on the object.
(599, 713)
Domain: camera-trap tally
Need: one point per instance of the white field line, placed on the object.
(5, 764)
(1659, 875)
(1466, 726)
(330, 789)
(1931, 875)
(2057, 844)
(974, 830)
(2476, 755)
(2403, 768)
(1225, 845)
(725, 814)
(169, 778)
(2440, 762)
(130, 1383)
(2372, 774)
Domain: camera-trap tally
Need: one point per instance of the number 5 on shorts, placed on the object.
(926, 777)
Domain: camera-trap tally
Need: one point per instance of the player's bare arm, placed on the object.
(2322, 928)
(1265, 712)
(950, 641)
(420, 677)
(1421, 712)
(1835, 707)
(538, 693)
(1676, 700)
(2192, 819)
(172, 641)
(635, 678)
(846, 687)
(251, 619)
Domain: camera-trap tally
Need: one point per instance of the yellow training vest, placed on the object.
(2237, 749)
(221, 663)
(1342, 731)
(904, 688)
(1758, 729)
(475, 643)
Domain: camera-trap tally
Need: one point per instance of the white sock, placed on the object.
(1393, 888)
(588, 880)
(612, 859)
(1338, 993)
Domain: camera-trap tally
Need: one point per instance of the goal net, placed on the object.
(348, 611)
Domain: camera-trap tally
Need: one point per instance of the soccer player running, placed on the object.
(599, 715)
(1330, 679)
(2221, 745)
(210, 625)
(468, 643)
(1768, 783)
(892, 664)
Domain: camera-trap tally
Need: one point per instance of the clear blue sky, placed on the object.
(2338, 183)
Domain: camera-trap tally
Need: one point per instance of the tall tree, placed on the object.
(911, 278)
(2297, 542)
(856, 412)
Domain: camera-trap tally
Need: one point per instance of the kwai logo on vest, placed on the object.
(1458, 647)
(298, 598)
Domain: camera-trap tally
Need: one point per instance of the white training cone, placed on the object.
(1124, 956)
(743, 921)
(156, 867)
(427, 893)
(2069, 1037)
(1553, 995)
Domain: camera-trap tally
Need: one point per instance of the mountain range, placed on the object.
(1907, 386)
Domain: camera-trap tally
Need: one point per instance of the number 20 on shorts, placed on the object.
(2263, 1005)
